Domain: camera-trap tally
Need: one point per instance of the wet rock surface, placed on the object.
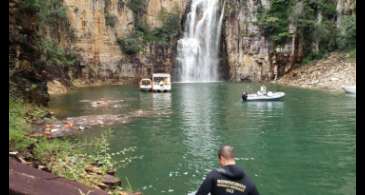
(21, 164)
(28, 180)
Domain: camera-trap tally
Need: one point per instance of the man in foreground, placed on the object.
(229, 179)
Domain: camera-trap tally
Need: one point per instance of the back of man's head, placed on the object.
(226, 151)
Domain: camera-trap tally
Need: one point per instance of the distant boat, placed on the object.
(349, 89)
(262, 95)
(145, 85)
(161, 82)
(270, 96)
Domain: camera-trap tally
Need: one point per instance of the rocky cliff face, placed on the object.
(250, 54)
(96, 39)
(156, 7)
(248, 51)
(160, 57)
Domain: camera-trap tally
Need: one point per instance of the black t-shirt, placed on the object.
(228, 180)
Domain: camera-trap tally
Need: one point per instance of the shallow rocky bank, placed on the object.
(74, 125)
(330, 73)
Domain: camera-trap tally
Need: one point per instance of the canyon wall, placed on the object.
(248, 51)
(94, 30)
(97, 41)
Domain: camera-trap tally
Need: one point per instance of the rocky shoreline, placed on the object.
(25, 173)
(45, 124)
(330, 73)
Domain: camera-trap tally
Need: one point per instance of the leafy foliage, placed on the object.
(48, 11)
(137, 6)
(347, 35)
(99, 151)
(314, 22)
(130, 45)
(143, 35)
(274, 21)
(17, 126)
(53, 55)
(71, 159)
(168, 30)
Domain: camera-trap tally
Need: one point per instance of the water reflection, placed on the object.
(161, 101)
(264, 106)
(198, 111)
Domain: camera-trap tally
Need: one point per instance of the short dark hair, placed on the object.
(226, 151)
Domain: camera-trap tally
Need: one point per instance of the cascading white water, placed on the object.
(197, 51)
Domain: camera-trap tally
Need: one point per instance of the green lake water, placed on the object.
(302, 145)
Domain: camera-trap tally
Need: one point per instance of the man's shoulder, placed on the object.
(214, 173)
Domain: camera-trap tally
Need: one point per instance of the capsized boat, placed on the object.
(145, 85)
(349, 89)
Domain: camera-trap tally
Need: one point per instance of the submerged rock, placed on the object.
(74, 125)
(103, 102)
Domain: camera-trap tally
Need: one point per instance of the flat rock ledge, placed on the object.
(30, 181)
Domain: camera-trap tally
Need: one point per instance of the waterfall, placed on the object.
(197, 51)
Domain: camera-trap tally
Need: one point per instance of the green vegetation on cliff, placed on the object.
(347, 35)
(137, 6)
(36, 53)
(53, 55)
(274, 22)
(17, 126)
(313, 22)
(48, 12)
(143, 35)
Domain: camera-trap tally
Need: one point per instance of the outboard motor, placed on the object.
(244, 96)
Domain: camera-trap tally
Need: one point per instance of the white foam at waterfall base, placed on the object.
(197, 51)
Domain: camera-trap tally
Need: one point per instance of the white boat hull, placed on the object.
(349, 89)
(268, 97)
(145, 88)
(159, 88)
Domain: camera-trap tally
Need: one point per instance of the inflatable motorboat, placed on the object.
(270, 96)
(349, 89)
(262, 95)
